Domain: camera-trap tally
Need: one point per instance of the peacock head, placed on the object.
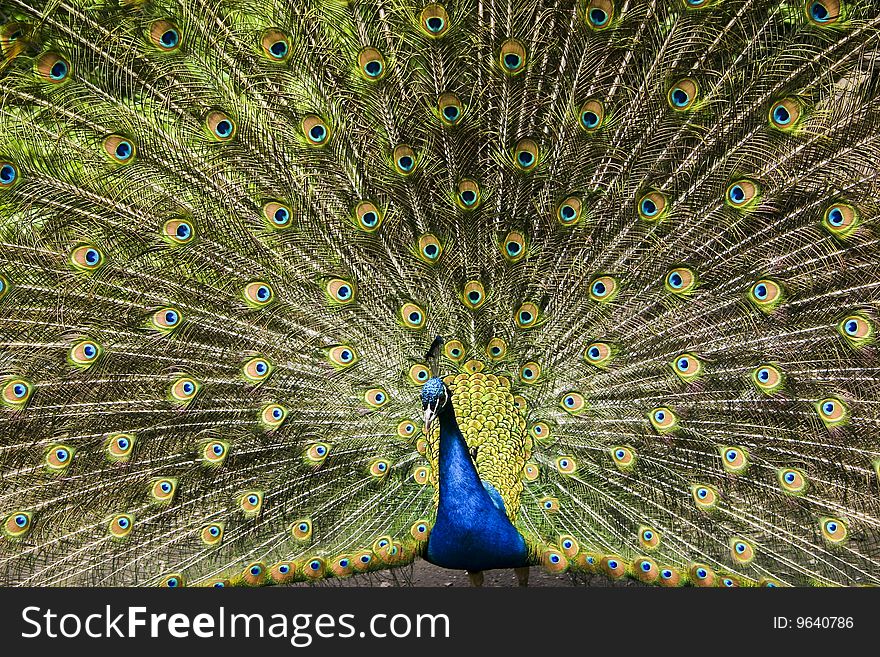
(435, 396)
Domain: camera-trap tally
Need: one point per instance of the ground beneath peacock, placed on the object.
(422, 573)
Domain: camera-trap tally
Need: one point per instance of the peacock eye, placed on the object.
(705, 497)
(8, 174)
(371, 63)
(429, 248)
(512, 57)
(832, 411)
(275, 45)
(277, 215)
(315, 129)
(603, 288)
(434, 20)
(652, 206)
(376, 397)
(413, 317)
(404, 159)
(784, 115)
(834, 530)
(526, 154)
(496, 348)
(840, 219)
(52, 68)
(592, 113)
(568, 211)
(683, 94)
(474, 294)
(598, 13)
(572, 402)
(367, 216)
(530, 372)
(164, 35)
(220, 126)
(527, 315)
(451, 111)
(340, 291)
(86, 258)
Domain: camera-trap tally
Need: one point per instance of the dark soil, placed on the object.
(422, 573)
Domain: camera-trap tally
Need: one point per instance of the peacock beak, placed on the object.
(430, 415)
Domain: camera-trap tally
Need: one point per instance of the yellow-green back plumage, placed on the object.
(229, 231)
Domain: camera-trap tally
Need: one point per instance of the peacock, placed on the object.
(297, 291)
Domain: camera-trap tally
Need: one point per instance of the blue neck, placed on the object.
(471, 531)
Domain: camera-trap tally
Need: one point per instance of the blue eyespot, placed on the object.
(567, 544)
(343, 563)
(321, 450)
(819, 12)
(219, 585)
(598, 17)
(701, 573)
(252, 500)
(594, 353)
(764, 374)
(172, 582)
(281, 216)
(567, 212)
(513, 248)
(665, 573)
(171, 318)
(659, 416)
(343, 292)
(474, 296)
(682, 364)
(8, 174)
(702, 493)
(318, 133)
(740, 547)
(828, 408)
(497, 350)
(569, 401)
(62, 455)
(381, 467)
(620, 453)
(223, 128)
(468, 197)
(183, 231)
(761, 291)
(512, 61)
(851, 327)
(831, 526)
(431, 250)
(835, 217)
(554, 558)
(373, 68)
(170, 38)
(525, 317)
(405, 162)
(599, 289)
(731, 455)
(415, 317)
(451, 112)
(256, 570)
(218, 449)
(612, 564)
(590, 119)
(646, 566)
(166, 487)
(214, 530)
(525, 158)
(59, 70)
(122, 443)
(123, 523)
(737, 194)
(781, 115)
(680, 98)
(435, 24)
(278, 49)
(261, 367)
(648, 535)
(370, 218)
(123, 150)
(315, 565)
(649, 208)
(276, 413)
(188, 387)
(365, 558)
(21, 520)
(675, 280)
(89, 351)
